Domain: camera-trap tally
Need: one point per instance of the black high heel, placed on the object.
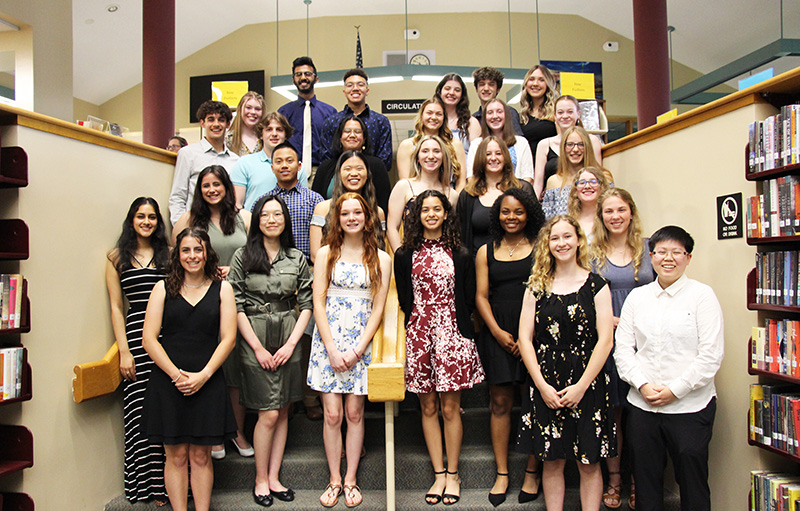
(496, 499)
(525, 497)
(453, 498)
(432, 498)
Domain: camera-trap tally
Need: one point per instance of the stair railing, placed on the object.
(98, 378)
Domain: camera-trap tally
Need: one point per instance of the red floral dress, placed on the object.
(438, 357)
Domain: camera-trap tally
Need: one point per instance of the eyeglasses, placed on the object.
(307, 74)
(348, 131)
(355, 85)
(587, 182)
(570, 145)
(268, 214)
(172, 147)
(676, 254)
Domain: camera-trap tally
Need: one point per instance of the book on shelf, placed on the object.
(11, 302)
(776, 210)
(777, 278)
(776, 347)
(12, 364)
(775, 141)
(775, 416)
(774, 491)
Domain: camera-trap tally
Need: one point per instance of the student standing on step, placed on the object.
(351, 281)
(271, 282)
(565, 336)
(435, 279)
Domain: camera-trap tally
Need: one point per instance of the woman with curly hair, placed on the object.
(586, 189)
(430, 121)
(537, 105)
(435, 282)
(493, 175)
(619, 256)
(565, 337)
(139, 260)
(214, 210)
(189, 330)
(501, 268)
(351, 281)
(353, 175)
(452, 92)
(243, 138)
(432, 170)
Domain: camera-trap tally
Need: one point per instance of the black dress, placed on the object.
(189, 336)
(144, 462)
(506, 290)
(551, 166)
(566, 335)
(536, 130)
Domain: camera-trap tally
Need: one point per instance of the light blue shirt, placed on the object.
(254, 172)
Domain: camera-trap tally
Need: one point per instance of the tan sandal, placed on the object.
(632, 497)
(332, 491)
(352, 495)
(612, 498)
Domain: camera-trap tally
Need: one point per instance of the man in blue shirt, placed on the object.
(356, 89)
(304, 76)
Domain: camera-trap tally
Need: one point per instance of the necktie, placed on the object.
(307, 136)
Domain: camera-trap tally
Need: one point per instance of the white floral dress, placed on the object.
(348, 307)
(566, 334)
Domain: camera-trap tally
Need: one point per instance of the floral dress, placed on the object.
(348, 307)
(566, 335)
(438, 357)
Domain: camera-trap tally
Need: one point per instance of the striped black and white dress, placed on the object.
(144, 462)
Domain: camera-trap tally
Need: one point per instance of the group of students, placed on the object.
(543, 282)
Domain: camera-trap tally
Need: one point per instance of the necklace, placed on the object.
(511, 250)
(197, 286)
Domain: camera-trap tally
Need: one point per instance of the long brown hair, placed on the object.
(509, 137)
(574, 203)
(237, 126)
(367, 193)
(601, 244)
(548, 108)
(334, 238)
(544, 263)
(175, 276)
(477, 185)
(564, 165)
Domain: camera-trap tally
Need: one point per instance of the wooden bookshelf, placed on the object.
(751, 298)
(786, 170)
(13, 239)
(27, 385)
(771, 240)
(25, 316)
(16, 502)
(13, 167)
(771, 449)
(16, 449)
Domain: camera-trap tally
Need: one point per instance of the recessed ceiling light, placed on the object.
(112, 8)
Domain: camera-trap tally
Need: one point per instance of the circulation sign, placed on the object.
(401, 106)
(729, 216)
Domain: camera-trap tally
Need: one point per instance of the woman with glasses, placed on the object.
(352, 135)
(589, 183)
(620, 256)
(567, 115)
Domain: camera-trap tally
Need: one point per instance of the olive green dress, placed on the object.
(271, 303)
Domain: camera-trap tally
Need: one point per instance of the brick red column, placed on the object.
(158, 71)
(652, 60)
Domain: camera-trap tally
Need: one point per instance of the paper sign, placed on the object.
(667, 116)
(580, 85)
(756, 78)
(229, 92)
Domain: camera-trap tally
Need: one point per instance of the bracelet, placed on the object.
(358, 357)
(180, 373)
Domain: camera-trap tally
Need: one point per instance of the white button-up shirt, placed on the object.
(672, 337)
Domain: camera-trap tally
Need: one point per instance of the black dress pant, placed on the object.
(685, 437)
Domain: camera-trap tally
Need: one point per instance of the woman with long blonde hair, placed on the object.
(351, 280)
(565, 337)
(620, 255)
(586, 189)
(243, 138)
(537, 105)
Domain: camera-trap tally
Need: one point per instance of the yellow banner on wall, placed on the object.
(229, 92)
(580, 85)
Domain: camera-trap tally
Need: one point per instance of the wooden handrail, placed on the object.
(98, 378)
(386, 372)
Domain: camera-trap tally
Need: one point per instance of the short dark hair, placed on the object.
(488, 73)
(303, 61)
(672, 233)
(355, 72)
(286, 145)
(182, 141)
(214, 107)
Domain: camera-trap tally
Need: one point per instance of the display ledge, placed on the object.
(786, 170)
(773, 239)
(773, 376)
(16, 449)
(771, 449)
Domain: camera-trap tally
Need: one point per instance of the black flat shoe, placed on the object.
(496, 499)
(285, 496)
(262, 500)
(525, 497)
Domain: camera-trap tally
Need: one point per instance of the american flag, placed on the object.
(359, 55)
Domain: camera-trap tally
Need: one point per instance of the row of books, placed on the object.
(11, 302)
(774, 491)
(775, 416)
(776, 211)
(12, 362)
(775, 141)
(776, 278)
(776, 347)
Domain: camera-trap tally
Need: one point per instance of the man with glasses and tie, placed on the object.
(307, 114)
(669, 345)
(356, 89)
